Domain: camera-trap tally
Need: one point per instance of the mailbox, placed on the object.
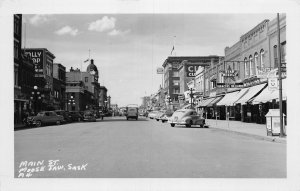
(273, 122)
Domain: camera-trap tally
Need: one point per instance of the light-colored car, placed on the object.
(166, 115)
(152, 114)
(159, 115)
(47, 117)
(187, 117)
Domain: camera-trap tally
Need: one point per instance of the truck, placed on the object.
(132, 111)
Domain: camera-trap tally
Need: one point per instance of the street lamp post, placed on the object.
(71, 102)
(36, 95)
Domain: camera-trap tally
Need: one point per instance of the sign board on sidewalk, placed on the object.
(273, 84)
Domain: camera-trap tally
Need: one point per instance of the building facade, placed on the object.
(179, 70)
(59, 86)
(242, 76)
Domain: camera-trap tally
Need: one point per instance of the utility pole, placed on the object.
(279, 77)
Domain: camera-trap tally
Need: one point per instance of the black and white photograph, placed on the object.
(150, 95)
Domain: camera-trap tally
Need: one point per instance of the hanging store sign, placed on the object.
(273, 84)
(230, 85)
(191, 70)
(37, 56)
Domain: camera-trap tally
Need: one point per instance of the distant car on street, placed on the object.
(89, 115)
(159, 115)
(65, 114)
(132, 112)
(76, 116)
(187, 117)
(47, 117)
(152, 114)
(166, 115)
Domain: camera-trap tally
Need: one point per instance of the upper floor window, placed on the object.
(256, 65)
(251, 66)
(246, 67)
(86, 79)
(262, 58)
(175, 74)
(176, 82)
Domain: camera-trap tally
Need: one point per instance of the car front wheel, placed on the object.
(172, 125)
(38, 123)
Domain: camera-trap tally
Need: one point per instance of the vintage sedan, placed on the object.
(47, 117)
(187, 117)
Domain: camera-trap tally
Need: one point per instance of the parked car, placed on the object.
(76, 116)
(89, 115)
(65, 114)
(47, 117)
(187, 117)
(152, 114)
(166, 115)
(159, 115)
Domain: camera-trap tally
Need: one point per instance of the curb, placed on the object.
(260, 137)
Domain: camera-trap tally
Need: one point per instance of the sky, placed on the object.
(128, 48)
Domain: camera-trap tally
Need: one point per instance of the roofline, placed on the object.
(189, 58)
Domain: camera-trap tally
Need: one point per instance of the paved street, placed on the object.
(117, 148)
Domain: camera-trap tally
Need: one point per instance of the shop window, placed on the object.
(176, 82)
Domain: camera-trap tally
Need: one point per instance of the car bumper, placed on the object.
(177, 122)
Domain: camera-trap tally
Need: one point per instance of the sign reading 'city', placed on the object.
(191, 70)
(37, 59)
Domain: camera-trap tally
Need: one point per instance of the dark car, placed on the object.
(89, 115)
(76, 116)
(65, 114)
(47, 117)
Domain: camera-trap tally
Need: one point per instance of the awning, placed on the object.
(204, 103)
(251, 93)
(215, 101)
(267, 95)
(227, 99)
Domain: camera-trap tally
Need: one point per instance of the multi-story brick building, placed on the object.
(59, 86)
(179, 70)
(43, 61)
(242, 75)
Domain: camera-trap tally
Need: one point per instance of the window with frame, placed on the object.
(175, 74)
(262, 58)
(251, 66)
(86, 79)
(175, 82)
(256, 62)
(246, 68)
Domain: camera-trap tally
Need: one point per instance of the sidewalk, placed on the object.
(248, 129)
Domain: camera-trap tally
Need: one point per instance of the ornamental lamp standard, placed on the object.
(191, 95)
(36, 95)
(71, 102)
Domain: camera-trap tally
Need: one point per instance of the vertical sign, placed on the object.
(191, 70)
(36, 56)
